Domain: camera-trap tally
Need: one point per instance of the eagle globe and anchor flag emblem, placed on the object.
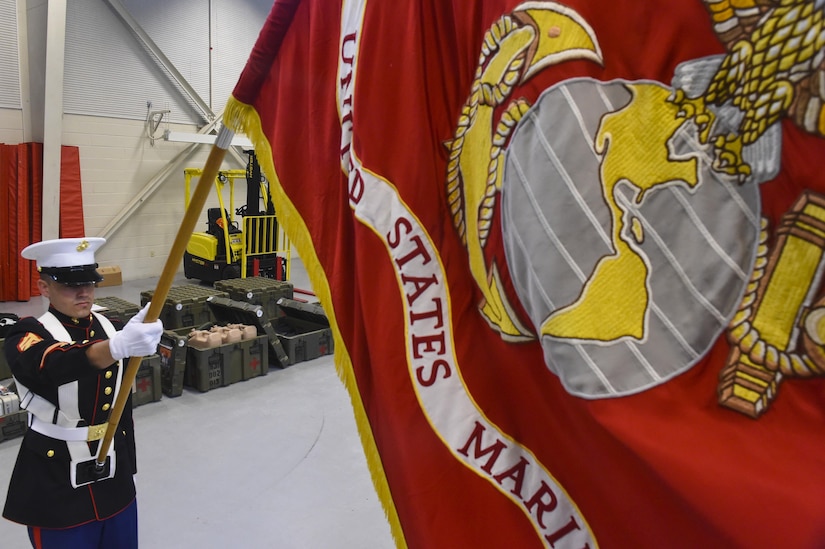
(628, 242)
(632, 225)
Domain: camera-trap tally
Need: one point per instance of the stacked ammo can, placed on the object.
(257, 290)
(264, 293)
(117, 308)
(14, 424)
(184, 310)
(234, 361)
(13, 420)
(303, 329)
(185, 306)
(148, 386)
(213, 367)
(172, 353)
(6, 322)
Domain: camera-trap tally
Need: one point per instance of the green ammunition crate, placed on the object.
(185, 306)
(255, 357)
(13, 425)
(258, 290)
(303, 330)
(147, 386)
(229, 311)
(172, 352)
(208, 369)
(117, 308)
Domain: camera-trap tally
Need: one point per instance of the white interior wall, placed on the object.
(117, 159)
(11, 125)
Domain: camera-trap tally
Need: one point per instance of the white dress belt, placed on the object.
(73, 434)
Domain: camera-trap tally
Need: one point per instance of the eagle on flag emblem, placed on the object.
(773, 69)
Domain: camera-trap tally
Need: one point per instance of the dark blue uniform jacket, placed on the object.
(40, 491)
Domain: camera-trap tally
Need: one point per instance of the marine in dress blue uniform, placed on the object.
(67, 367)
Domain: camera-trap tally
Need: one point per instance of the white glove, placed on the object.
(137, 338)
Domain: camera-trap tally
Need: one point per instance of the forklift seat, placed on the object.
(214, 223)
(214, 226)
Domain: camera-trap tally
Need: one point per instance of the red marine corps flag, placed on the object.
(572, 253)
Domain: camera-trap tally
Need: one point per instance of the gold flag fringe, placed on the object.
(242, 118)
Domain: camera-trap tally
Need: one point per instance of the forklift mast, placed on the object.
(254, 183)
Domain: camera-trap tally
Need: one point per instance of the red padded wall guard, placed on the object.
(21, 191)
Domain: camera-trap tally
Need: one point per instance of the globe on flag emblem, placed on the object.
(628, 251)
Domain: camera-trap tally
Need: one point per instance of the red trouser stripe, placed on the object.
(36, 541)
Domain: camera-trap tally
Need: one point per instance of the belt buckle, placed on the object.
(96, 432)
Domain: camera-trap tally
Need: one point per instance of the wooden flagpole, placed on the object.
(187, 227)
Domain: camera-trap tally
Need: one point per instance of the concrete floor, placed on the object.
(271, 462)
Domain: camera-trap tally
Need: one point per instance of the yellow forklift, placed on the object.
(241, 242)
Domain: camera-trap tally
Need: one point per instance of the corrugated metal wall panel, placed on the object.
(180, 29)
(9, 66)
(108, 72)
(235, 28)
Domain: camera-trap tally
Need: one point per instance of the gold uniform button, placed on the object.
(108, 374)
(92, 333)
(107, 390)
(50, 453)
(106, 406)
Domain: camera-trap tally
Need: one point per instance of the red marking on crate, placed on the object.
(143, 384)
